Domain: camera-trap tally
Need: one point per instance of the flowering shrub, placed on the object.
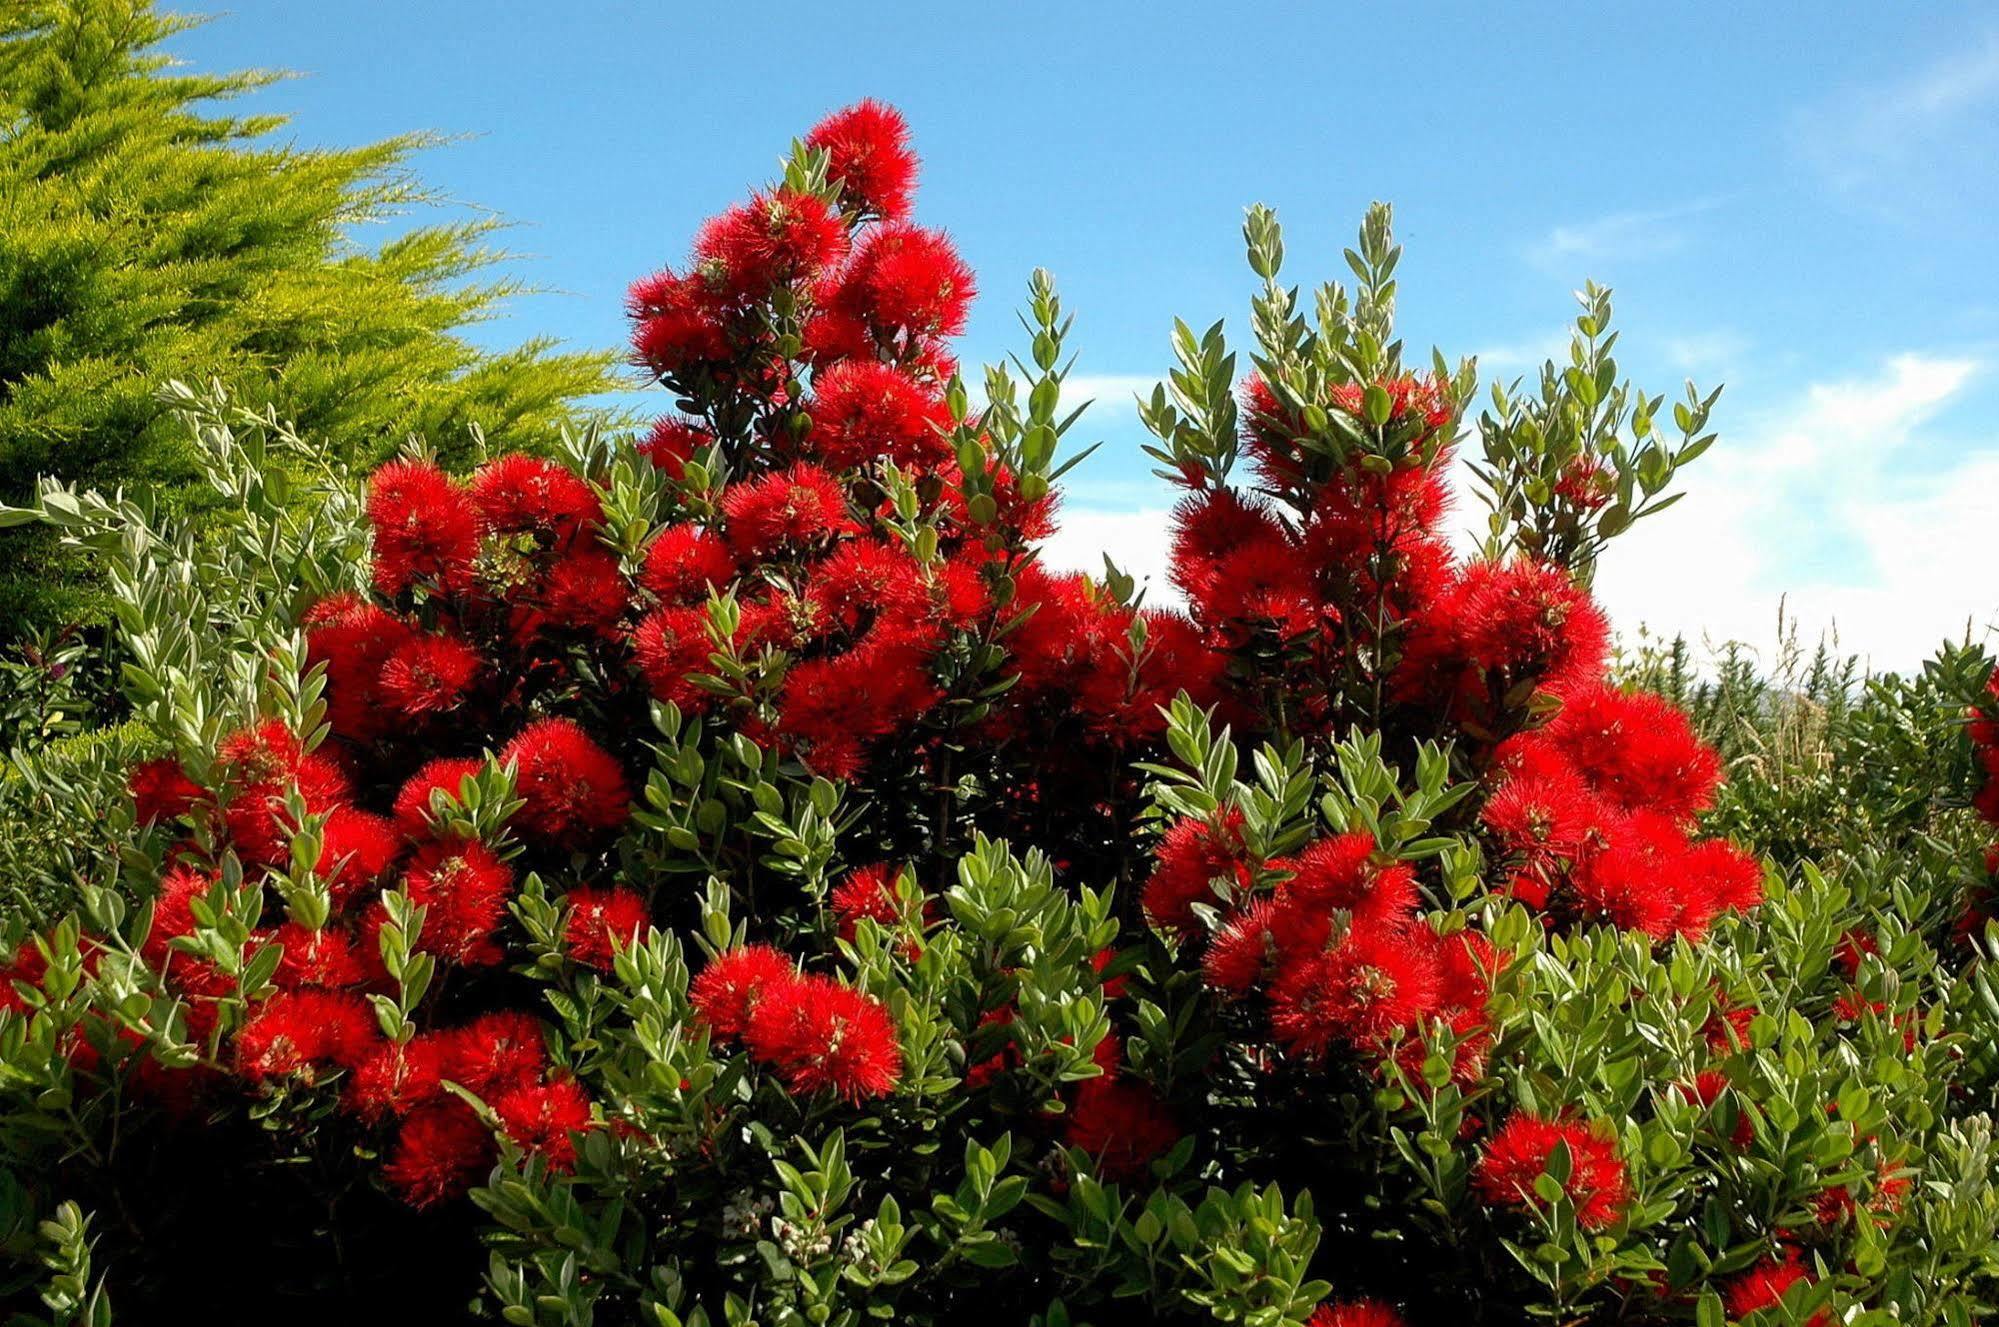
(727, 879)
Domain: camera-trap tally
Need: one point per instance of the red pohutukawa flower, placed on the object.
(571, 788)
(425, 528)
(1767, 1285)
(867, 148)
(440, 1152)
(1356, 1313)
(1121, 1124)
(817, 1034)
(825, 1037)
(1518, 1156)
(600, 918)
(526, 495)
(543, 1119)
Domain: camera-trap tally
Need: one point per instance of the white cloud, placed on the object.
(1137, 541)
(1921, 134)
(1636, 234)
(1816, 509)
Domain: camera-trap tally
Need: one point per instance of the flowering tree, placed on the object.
(729, 878)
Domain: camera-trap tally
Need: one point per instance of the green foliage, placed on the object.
(145, 237)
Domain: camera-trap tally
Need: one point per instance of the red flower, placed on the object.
(672, 647)
(802, 505)
(1767, 1285)
(863, 409)
(440, 1151)
(866, 892)
(773, 239)
(542, 1118)
(1378, 981)
(1191, 856)
(1636, 750)
(424, 528)
(1121, 1124)
(585, 591)
(526, 495)
(909, 281)
(496, 1052)
(686, 563)
(730, 988)
(161, 790)
(464, 890)
(672, 442)
(571, 788)
(822, 1036)
(448, 774)
(597, 917)
(296, 1033)
(1518, 1155)
(315, 958)
(867, 151)
(398, 1078)
(353, 638)
(1342, 873)
(1355, 1313)
(357, 848)
(429, 675)
(679, 325)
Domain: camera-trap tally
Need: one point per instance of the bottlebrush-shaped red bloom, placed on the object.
(792, 508)
(571, 788)
(727, 992)
(585, 591)
(1355, 1313)
(679, 325)
(297, 1033)
(315, 958)
(599, 917)
(1191, 856)
(353, 638)
(825, 1037)
(542, 1118)
(429, 675)
(774, 239)
(1518, 1155)
(447, 775)
(161, 790)
(398, 1077)
(867, 150)
(909, 281)
(1766, 1285)
(1121, 1124)
(672, 647)
(441, 1151)
(527, 495)
(686, 564)
(863, 409)
(464, 890)
(1635, 750)
(866, 892)
(424, 528)
(357, 848)
(672, 442)
(1378, 981)
(496, 1052)
(1341, 872)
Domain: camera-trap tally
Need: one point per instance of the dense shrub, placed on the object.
(730, 880)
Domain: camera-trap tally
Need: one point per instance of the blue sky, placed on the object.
(1801, 207)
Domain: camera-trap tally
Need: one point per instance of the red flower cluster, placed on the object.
(1333, 939)
(817, 1034)
(1518, 1156)
(1593, 813)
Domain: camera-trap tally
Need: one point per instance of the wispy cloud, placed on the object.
(1650, 233)
(1819, 505)
(1900, 146)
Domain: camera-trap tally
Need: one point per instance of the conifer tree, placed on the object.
(147, 235)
